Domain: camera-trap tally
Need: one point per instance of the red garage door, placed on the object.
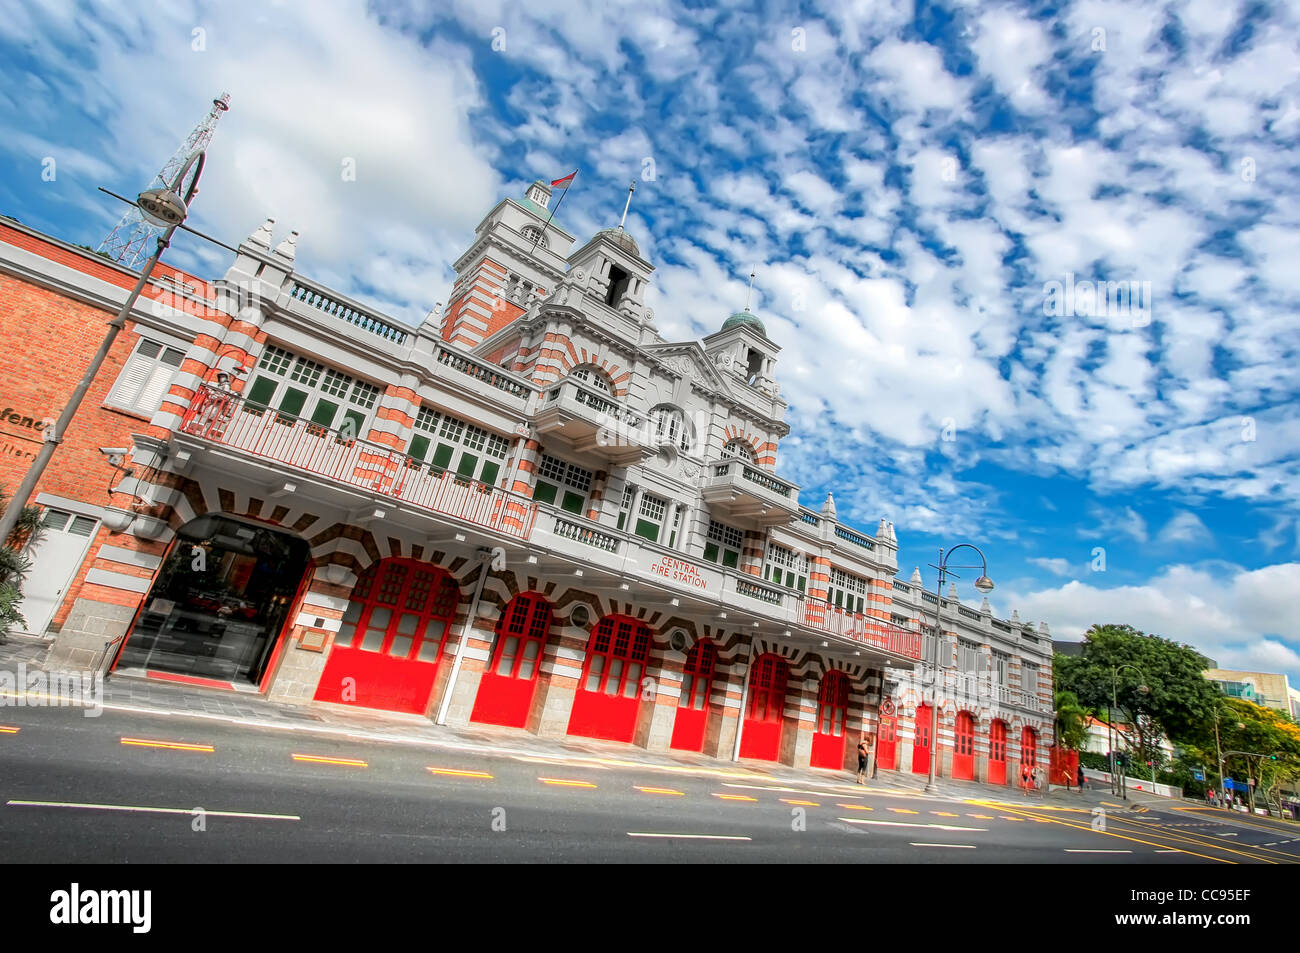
(1029, 748)
(998, 752)
(506, 691)
(608, 699)
(887, 746)
(762, 729)
(693, 706)
(963, 752)
(832, 712)
(921, 741)
(387, 652)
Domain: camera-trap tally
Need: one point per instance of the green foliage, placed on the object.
(15, 563)
(1178, 703)
(1071, 721)
(1095, 760)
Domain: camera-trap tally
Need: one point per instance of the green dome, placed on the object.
(745, 317)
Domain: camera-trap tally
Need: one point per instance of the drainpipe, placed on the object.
(485, 560)
(744, 700)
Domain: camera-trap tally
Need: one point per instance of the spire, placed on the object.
(985, 608)
(1015, 617)
(262, 235)
(828, 508)
(952, 592)
(287, 247)
(1044, 630)
(916, 579)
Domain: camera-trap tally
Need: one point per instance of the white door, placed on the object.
(55, 561)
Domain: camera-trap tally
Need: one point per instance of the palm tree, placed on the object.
(1071, 721)
(15, 562)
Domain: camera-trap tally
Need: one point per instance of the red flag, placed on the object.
(564, 182)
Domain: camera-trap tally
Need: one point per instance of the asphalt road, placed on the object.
(130, 787)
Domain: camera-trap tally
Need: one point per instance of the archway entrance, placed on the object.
(608, 699)
(921, 741)
(509, 684)
(766, 710)
(887, 742)
(963, 752)
(832, 713)
(219, 602)
(394, 629)
(692, 719)
(998, 752)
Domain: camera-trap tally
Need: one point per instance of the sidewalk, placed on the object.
(147, 696)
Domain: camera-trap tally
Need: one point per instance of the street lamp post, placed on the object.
(985, 585)
(163, 206)
(1122, 790)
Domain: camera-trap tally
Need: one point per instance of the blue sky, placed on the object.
(907, 181)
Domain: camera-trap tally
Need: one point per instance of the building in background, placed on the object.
(531, 511)
(1267, 689)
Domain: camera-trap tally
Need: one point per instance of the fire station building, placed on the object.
(531, 511)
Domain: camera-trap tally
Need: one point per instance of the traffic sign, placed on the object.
(1198, 775)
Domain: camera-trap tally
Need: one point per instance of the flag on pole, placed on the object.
(563, 183)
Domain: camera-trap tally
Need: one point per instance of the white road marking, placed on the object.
(155, 810)
(932, 827)
(689, 836)
(1082, 850)
(1167, 851)
(959, 846)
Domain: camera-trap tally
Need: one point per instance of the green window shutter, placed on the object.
(710, 551)
(419, 448)
(292, 401)
(466, 465)
(672, 540)
(490, 470)
(802, 583)
(353, 425)
(622, 518)
(324, 413)
(647, 530)
(442, 456)
(573, 503)
(544, 492)
(261, 392)
(730, 558)
(789, 580)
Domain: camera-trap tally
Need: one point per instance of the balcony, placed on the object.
(592, 422)
(859, 628)
(222, 419)
(738, 490)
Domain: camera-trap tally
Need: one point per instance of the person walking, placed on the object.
(1026, 777)
(864, 755)
(1083, 782)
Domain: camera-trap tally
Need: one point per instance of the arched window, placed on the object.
(1029, 747)
(832, 704)
(671, 426)
(521, 636)
(698, 676)
(616, 657)
(767, 689)
(592, 377)
(739, 448)
(534, 234)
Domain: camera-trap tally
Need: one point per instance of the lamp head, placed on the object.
(162, 207)
(984, 584)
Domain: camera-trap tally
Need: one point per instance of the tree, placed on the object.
(1071, 721)
(15, 562)
(1178, 701)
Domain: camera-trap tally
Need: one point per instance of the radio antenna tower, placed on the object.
(131, 242)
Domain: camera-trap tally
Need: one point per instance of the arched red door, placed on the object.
(1029, 747)
(608, 699)
(921, 741)
(887, 743)
(766, 710)
(832, 713)
(963, 752)
(509, 684)
(395, 626)
(998, 752)
(693, 705)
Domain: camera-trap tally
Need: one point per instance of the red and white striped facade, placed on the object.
(531, 510)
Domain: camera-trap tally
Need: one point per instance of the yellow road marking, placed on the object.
(6, 730)
(346, 762)
(904, 810)
(786, 800)
(452, 772)
(668, 791)
(735, 797)
(944, 814)
(1008, 817)
(172, 745)
(855, 807)
(981, 817)
(562, 782)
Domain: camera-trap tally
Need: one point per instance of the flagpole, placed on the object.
(631, 187)
(542, 233)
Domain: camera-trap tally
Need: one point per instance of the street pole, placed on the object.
(177, 208)
(485, 564)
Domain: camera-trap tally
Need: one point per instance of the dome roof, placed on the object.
(745, 318)
(622, 239)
